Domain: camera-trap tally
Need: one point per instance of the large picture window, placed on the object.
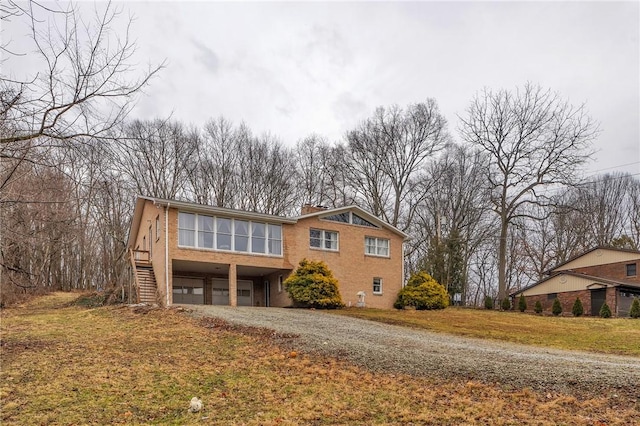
(223, 233)
(376, 246)
(324, 240)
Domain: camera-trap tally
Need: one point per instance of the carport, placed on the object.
(208, 283)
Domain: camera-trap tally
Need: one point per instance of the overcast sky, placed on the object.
(293, 69)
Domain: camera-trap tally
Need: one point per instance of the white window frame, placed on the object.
(373, 288)
(323, 239)
(249, 250)
(377, 246)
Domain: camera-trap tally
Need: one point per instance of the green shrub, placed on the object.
(522, 303)
(423, 293)
(577, 309)
(506, 304)
(635, 308)
(488, 302)
(605, 311)
(312, 285)
(538, 307)
(556, 309)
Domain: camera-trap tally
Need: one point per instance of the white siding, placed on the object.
(599, 257)
(559, 284)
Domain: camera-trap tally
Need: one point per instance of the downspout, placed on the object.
(403, 264)
(166, 250)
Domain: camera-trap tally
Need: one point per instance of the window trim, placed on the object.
(377, 239)
(249, 251)
(373, 288)
(635, 269)
(323, 240)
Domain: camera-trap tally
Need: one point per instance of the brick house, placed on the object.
(196, 254)
(598, 275)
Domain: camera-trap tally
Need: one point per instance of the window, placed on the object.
(157, 227)
(631, 270)
(348, 217)
(279, 283)
(552, 296)
(357, 220)
(241, 235)
(340, 217)
(222, 233)
(377, 285)
(258, 237)
(187, 229)
(324, 240)
(205, 231)
(275, 239)
(376, 246)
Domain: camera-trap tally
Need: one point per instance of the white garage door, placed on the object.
(188, 290)
(220, 292)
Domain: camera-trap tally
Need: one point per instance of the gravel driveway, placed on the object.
(383, 347)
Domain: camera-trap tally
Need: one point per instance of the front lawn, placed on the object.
(68, 364)
(612, 335)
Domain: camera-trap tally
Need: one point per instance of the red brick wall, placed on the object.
(567, 299)
(614, 271)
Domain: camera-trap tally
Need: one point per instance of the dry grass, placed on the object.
(614, 335)
(65, 364)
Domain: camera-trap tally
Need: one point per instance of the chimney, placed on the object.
(308, 209)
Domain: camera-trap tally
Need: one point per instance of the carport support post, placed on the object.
(233, 285)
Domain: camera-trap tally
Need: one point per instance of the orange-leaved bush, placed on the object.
(422, 292)
(313, 285)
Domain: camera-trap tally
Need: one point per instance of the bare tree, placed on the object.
(214, 178)
(86, 87)
(388, 151)
(534, 139)
(156, 155)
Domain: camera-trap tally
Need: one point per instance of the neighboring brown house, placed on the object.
(598, 275)
(197, 254)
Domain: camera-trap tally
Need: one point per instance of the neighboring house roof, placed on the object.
(596, 280)
(361, 212)
(555, 268)
(201, 208)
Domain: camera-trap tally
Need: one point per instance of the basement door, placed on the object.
(220, 292)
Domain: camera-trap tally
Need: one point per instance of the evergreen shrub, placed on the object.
(538, 307)
(488, 302)
(556, 309)
(423, 293)
(522, 303)
(313, 285)
(577, 309)
(635, 308)
(506, 304)
(605, 311)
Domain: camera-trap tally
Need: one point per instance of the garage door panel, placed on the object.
(188, 290)
(220, 292)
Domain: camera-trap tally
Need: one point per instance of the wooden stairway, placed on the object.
(145, 279)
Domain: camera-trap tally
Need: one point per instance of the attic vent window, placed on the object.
(352, 218)
(340, 217)
(631, 270)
